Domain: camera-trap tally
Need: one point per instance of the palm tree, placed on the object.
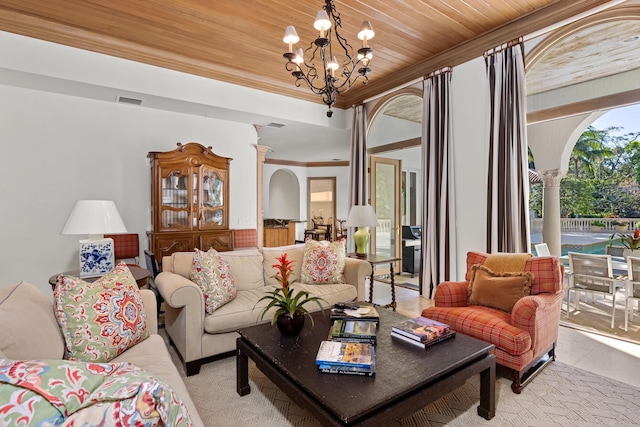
(589, 151)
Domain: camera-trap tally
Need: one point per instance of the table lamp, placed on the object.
(361, 216)
(95, 218)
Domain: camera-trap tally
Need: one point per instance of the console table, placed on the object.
(375, 259)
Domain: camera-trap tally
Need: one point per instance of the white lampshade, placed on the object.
(322, 21)
(290, 35)
(362, 216)
(366, 31)
(94, 217)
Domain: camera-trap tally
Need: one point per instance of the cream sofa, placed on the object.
(199, 338)
(30, 332)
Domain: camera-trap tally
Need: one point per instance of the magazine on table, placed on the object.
(358, 310)
(421, 344)
(421, 329)
(336, 353)
(354, 329)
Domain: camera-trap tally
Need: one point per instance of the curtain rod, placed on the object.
(503, 46)
(437, 72)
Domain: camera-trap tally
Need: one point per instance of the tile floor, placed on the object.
(609, 357)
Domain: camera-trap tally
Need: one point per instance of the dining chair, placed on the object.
(152, 266)
(542, 249)
(592, 273)
(633, 289)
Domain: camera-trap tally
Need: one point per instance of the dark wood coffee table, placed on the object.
(407, 377)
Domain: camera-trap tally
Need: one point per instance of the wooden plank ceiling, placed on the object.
(240, 41)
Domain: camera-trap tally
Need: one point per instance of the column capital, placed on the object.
(552, 177)
(262, 152)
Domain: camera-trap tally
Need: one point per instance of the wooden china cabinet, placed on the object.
(189, 200)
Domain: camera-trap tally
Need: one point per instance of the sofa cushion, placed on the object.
(102, 319)
(497, 290)
(269, 255)
(487, 324)
(323, 262)
(152, 355)
(242, 313)
(29, 327)
(211, 273)
(246, 268)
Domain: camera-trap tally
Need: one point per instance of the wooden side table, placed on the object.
(141, 275)
(374, 259)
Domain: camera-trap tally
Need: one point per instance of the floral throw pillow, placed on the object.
(323, 262)
(212, 273)
(100, 320)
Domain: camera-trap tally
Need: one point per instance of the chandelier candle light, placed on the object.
(321, 77)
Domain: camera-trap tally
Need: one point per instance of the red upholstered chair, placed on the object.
(125, 246)
(524, 339)
(245, 238)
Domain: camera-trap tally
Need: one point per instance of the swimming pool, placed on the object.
(590, 248)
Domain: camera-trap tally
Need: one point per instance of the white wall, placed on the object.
(57, 149)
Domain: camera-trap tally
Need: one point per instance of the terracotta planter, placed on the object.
(596, 228)
(621, 228)
(290, 326)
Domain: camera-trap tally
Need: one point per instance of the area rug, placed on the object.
(408, 285)
(594, 315)
(560, 395)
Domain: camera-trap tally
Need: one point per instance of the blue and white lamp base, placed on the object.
(96, 257)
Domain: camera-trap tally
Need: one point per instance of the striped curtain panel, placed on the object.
(357, 165)
(436, 253)
(508, 190)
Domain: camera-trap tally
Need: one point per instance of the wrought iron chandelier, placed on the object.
(320, 70)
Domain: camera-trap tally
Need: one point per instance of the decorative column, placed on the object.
(551, 231)
(262, 152)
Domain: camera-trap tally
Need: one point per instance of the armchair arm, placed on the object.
(539, 315)
(184, 313)
(355, 272)
(451, 294)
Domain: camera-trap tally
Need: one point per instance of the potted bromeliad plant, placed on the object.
(631, 242)
(290, 312)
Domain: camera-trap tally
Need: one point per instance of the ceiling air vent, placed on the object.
(132, 101)
(275, 125)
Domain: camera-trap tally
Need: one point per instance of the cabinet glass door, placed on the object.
(213, 210)
(175, 205)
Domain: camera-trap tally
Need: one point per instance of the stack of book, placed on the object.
(354, 322)
(335, 357)
(421, 331)
(358, 331)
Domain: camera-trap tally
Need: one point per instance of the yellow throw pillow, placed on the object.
(497, 290)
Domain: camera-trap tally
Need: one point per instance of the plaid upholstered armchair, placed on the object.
(524, 336)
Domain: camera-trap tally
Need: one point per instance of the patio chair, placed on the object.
(633, 289)
(592, 273)
(542, 249)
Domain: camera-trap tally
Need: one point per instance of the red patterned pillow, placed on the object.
(100, 320)
(323, 262)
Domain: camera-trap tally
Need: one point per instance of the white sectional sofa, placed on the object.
(200, 338)
(30, 331)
